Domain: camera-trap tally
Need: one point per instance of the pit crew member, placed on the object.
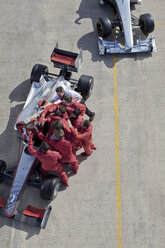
(63, 146)
(75, 96)
(84, 136)
(50, 160)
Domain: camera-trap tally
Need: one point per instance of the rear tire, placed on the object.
(85, 86)
(2, 169)
(37, 71)
(50, 188)
(146, 23)
(104, 26)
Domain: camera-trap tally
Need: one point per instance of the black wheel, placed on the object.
(146, 23)
(104, 1)
(108, 2)
(50, 188)
(135, 1)
(37, 71)
(85, 86)
(104, 26)
(2, 169)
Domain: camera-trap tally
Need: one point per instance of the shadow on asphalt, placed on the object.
(69, 169)
(21, 92)
(30, 230)
(34, 200)
(88, 42)
(8, 139)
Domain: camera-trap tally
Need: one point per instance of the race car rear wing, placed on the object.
(66, 60)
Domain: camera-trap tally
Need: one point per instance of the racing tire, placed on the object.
(108, 2)
(37, 71)
(104, 26)
(146, 23)
(2, 169)
(135, 1)
(50, 188)
(104, 2)
(85, 86)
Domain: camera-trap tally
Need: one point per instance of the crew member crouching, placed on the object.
(50, 160)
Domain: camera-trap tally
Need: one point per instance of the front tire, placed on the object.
(146, 24)
(50, 188)
(104, 26)
(85, 86)
(37, 71)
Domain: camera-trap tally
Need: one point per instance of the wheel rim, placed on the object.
(99, 29)
(90, 90)
(46, 71)
(56, 190)
(142, 26)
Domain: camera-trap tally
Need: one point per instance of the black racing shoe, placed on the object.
(92, 116)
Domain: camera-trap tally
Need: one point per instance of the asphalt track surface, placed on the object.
(117, 198)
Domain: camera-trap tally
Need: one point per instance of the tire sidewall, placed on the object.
(37, 71)
(146, 23)
(85, 86)
(49, 188)
(104, 26)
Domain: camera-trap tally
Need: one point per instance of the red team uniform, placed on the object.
(62, 150)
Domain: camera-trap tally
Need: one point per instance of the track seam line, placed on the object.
(118, 193)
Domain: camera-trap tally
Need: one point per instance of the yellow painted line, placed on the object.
(159, 24)
(118, 194)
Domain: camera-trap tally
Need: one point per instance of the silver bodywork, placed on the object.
(41, 90)
(147, 45)
(24, 167)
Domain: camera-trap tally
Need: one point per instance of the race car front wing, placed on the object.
(141, 46)
(34, 216)
(31, 215)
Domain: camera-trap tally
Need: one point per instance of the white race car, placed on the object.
(42, 91)
(124, 20)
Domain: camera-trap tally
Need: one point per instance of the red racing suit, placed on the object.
(49, 109)
(49, 160)
(76, 105)
(64, 147)
(84, 136)
(67, 131)
(76, 122)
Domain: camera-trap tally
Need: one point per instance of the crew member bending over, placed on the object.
(72, 105)
(60, 144)
(84, 136)
(50, 160)
(61, 93)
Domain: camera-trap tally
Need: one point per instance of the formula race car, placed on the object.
(43, 85)
(124, 20)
